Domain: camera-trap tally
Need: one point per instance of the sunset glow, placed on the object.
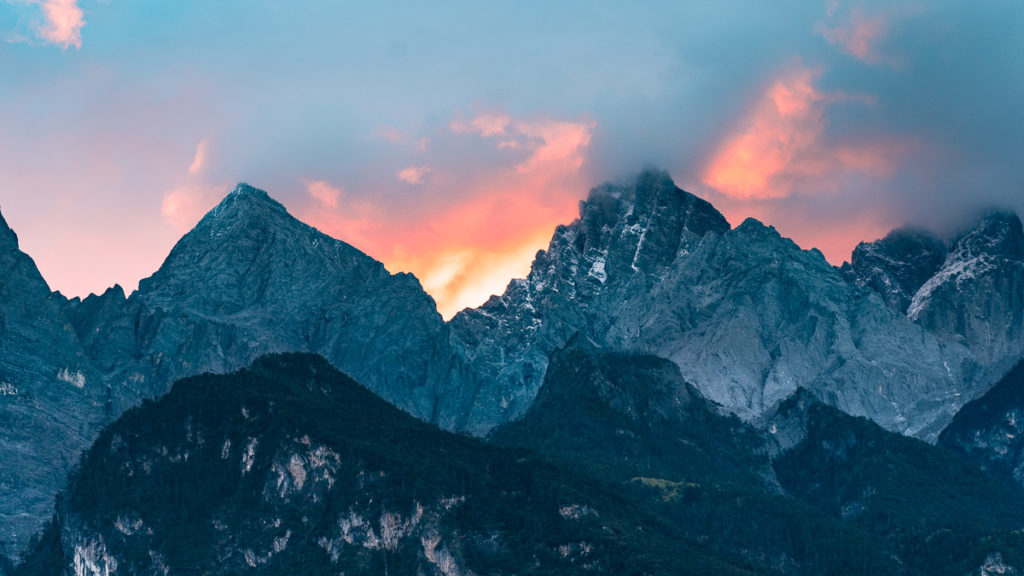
(449, 142)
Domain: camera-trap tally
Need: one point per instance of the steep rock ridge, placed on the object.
(896, 266)
(51, 398)
(746, 314)
(970, 289)
(250, 279)
(978, 294)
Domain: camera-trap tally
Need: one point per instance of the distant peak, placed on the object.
(245, 201)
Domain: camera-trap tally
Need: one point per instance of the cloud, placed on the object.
(781, 148)
(62, 21)
(485, 125)
(183, 206)
(324, 193)
(475, 225)
(857, 33)
(200, 158)
(413, 174)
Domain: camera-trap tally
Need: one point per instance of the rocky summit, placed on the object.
(907, 333)
(747, 315)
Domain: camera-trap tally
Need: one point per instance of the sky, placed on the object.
(448, 139)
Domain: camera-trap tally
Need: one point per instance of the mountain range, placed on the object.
(914, 334)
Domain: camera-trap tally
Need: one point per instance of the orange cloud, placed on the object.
(324, 193)
(860, 34)
(785, 124)
(465, 250)
(781, 149)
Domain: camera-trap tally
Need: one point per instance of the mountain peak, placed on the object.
(999, 232)
(244, 201)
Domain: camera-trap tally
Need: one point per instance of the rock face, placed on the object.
(971, 292)
(896, 266)
(51, 397)
(978, 294)
(746, 315)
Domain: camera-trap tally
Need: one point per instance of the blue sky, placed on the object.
(448, 138)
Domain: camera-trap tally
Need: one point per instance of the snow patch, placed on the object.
(249, 456)
(91, 559)
(76, 378)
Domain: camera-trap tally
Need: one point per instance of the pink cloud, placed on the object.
(324, 193)
(784, 125)
(199, 161)
(780, 148)
(183, 206)
(413, 174)
(485, 125)
(62, 21)
(554, 143)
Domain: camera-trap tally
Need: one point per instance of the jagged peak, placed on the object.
(755, 228)
(244, 201)
(998, 231)
(650, 194)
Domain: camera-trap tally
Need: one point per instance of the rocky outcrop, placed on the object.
(977, 296)
(896, 266)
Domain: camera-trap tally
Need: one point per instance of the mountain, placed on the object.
(818, 492)
(747, 317)
(248, 280)
(52, 399)
(935, 511)
(746, 314)
(292, 468)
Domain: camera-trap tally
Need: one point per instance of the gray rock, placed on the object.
(746, 314)
(898, 265)
(51, 397)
